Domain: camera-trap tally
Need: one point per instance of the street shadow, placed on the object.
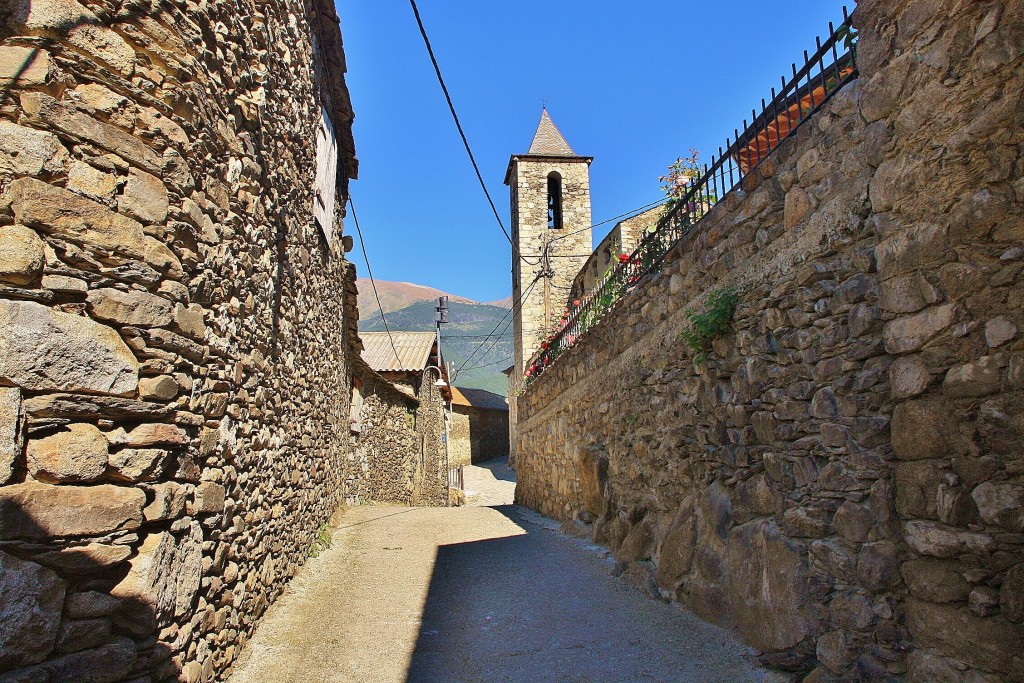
(467, 612)
(536, 605)
(499, 469)
(65, 625)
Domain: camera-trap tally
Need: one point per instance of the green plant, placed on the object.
(712, 322)
(678, 183)
(849, 36)
(681, 173)
(322, 541)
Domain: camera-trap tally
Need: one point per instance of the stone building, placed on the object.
(177, 327)
(550, 193)
(479, 426)
(622, 239)
(841, 479)
(405, 391)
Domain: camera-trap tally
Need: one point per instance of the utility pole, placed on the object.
(440, 318)
(547, 273)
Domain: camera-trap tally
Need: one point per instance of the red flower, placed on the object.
(544, 345)
(576, 302)
(623, 258)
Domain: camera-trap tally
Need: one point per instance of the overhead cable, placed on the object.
(462, 133)
(369, 273)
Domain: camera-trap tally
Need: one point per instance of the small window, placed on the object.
(326, 176)
(554, 201)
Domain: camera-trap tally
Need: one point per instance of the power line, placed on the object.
(511, 310)
(462, 134)
(487, 365)
(493, 344)
(629, 213)
(471, 336)
(369, 273)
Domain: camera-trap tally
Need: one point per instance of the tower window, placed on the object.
(554, 201)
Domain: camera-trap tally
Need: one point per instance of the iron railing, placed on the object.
(457, 478)
(824, 72)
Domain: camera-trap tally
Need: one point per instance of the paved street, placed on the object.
(487, 592)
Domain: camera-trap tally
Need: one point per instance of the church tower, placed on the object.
(550, 194)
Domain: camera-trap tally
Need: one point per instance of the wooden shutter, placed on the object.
(326, 175)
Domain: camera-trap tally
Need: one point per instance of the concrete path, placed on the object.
(487, 592)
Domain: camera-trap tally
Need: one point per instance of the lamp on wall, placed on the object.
(440, 376)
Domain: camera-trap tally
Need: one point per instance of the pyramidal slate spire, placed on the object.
(548, 140)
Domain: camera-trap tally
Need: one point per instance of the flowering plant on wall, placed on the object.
(678, 184)
(681, 173)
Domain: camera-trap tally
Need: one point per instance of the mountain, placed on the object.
(466, 333)
(505, 303)
(397, 295)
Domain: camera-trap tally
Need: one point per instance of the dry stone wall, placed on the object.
(840, 482)
(174, 331)
(430, 481)
(386, 446)
(477, 435)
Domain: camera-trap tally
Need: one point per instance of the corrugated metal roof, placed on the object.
(413, 350)
(478, 398)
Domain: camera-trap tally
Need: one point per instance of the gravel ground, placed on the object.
(486, 592)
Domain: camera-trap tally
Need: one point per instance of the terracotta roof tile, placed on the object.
(478, 398)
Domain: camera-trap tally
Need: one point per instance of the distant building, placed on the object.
(399, 422)
(479, 426)
(405, 363)
(622, 239)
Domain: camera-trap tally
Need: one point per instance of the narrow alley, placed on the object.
(486, 592)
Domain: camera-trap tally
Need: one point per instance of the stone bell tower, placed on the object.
(550, 194)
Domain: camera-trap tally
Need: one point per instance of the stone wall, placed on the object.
(841, 480)
(477, 435)
(174, 331)
(430, 480)
(387, 445)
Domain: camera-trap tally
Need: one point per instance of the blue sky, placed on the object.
(632, 84)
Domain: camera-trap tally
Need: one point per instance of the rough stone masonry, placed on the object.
(842, 481)
(176, 334)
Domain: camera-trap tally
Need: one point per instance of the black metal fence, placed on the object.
(829, 68)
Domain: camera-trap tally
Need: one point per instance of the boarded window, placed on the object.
(326, 176)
